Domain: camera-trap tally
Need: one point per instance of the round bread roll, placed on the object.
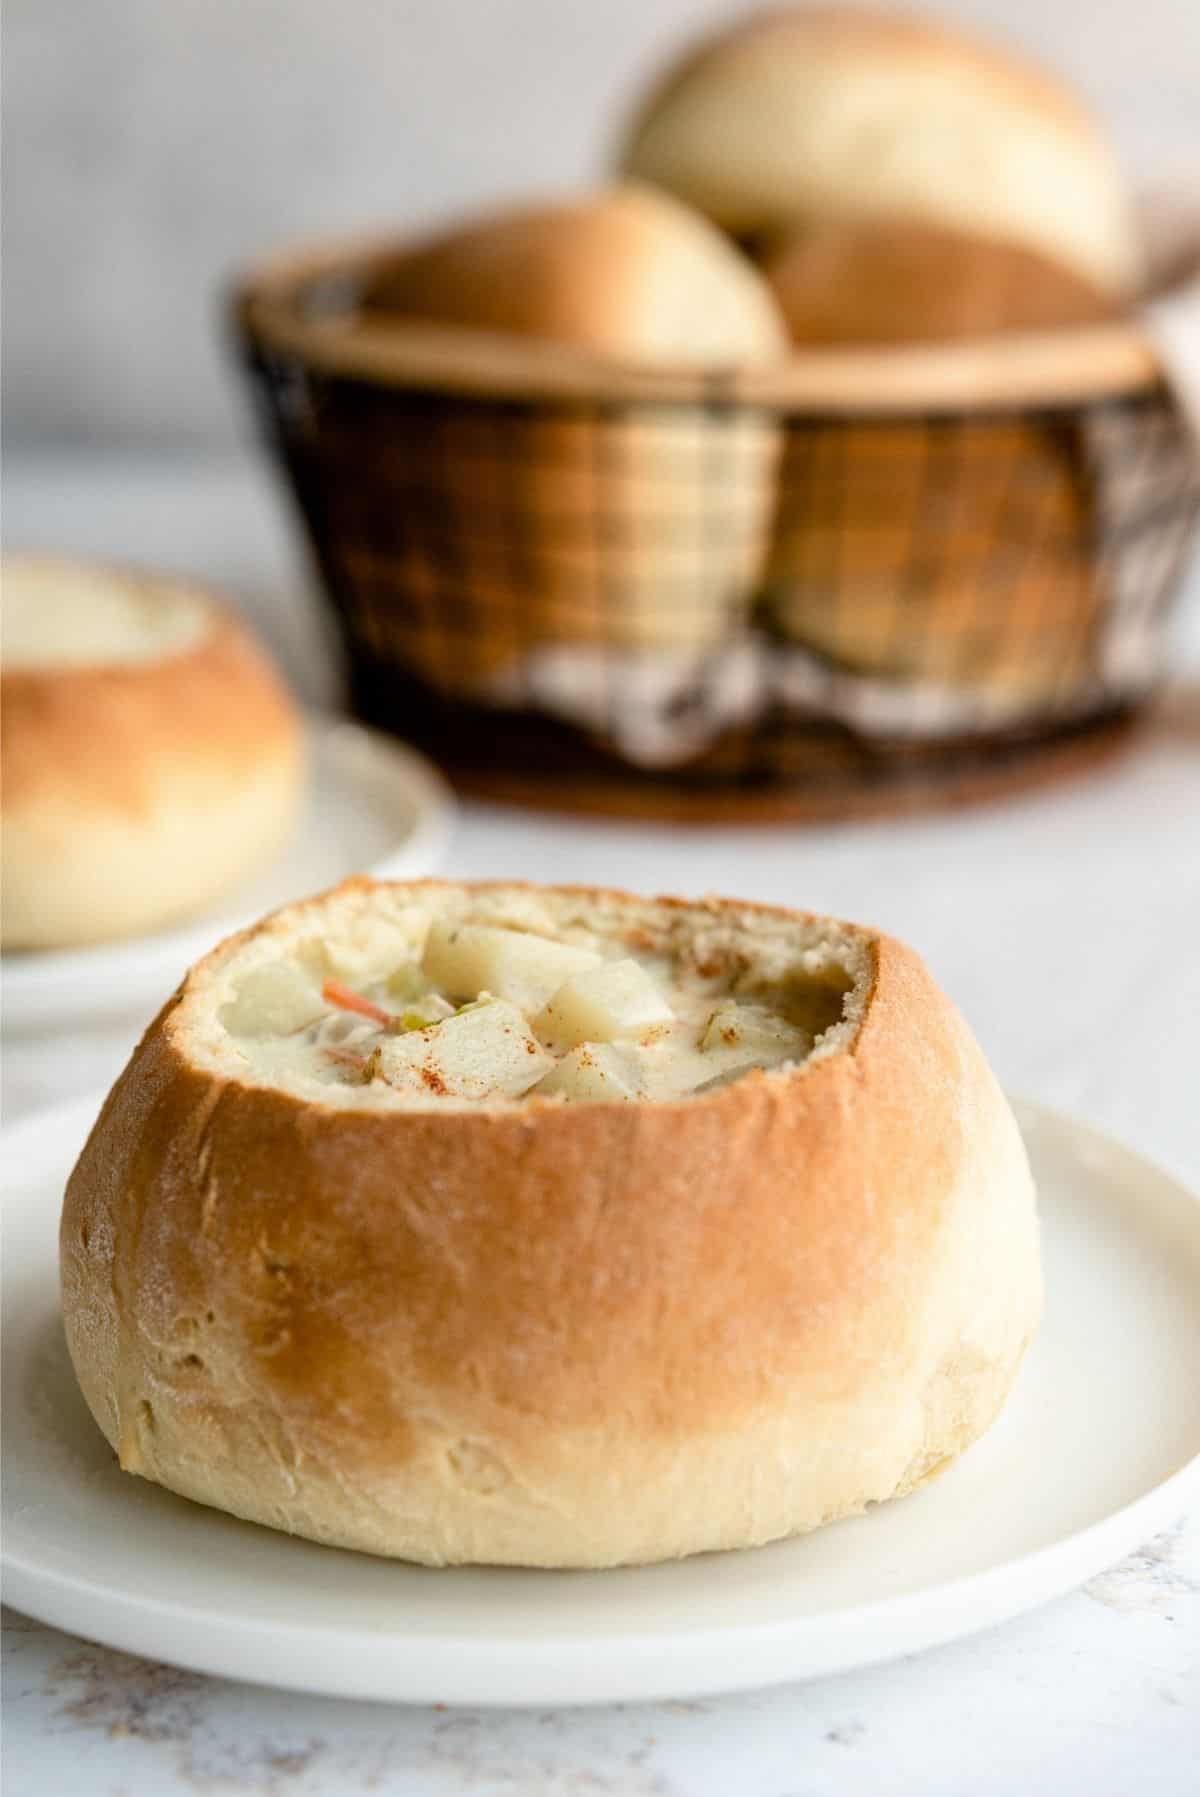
(905, 280)
(840, 113)
(631, 529)
(151, 756)
(549, 1227)
(626, 273)
(954, 552)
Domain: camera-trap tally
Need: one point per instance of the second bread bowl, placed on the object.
(153, 758)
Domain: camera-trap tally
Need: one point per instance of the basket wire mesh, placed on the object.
(601, 598)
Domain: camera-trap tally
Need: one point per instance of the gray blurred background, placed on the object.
(152, 146)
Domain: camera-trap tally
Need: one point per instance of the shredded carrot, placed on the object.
(334, 993)
(346, 1057)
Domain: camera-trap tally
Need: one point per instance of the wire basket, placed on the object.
(857, 581)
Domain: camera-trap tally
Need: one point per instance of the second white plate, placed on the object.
(372, 805)
(1090, 1458)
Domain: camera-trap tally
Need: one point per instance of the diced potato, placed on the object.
(603, 1004)
(671, 1071)
(484, 1051)
(676, 1072)
(700, 1072)
(275, 1000)
(464, 959)
(365, 947)
(596, 1072)
(752, 1033)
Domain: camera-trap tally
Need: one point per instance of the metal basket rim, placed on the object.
(1055, 368)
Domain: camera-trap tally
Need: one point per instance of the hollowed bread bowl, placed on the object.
(760, 1251)
(153, 759)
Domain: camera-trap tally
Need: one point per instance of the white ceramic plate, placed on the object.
(1090, 1458)
(372, 805)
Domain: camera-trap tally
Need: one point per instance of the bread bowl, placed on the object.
(713, 1280)
(579, 525)
(152, 757)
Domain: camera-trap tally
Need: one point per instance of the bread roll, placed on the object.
(838, 113)
(626, 529)
(353, 1256)
(904, 280)
(626, 273)
(952, 551)
(152, 759)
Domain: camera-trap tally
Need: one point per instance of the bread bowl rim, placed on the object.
(221, 617)
(224, 645)
(861, 991)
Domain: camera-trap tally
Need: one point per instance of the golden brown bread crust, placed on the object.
(627, 272)
(556, 1335)
(908, 280)
(134, 793)
(83, 731)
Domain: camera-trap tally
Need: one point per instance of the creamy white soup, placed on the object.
(478, 1011)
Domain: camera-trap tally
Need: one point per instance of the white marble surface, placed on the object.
(1065, 927)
